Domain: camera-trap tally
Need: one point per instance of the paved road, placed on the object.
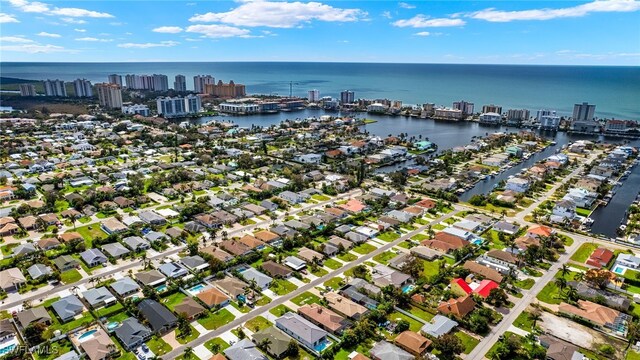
(317, 282)
(43, 294)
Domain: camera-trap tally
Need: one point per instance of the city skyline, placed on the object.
(526, 32)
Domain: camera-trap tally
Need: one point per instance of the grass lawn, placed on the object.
(438, 227)
(216, 344)
(523, 322)
(264, 300)
(8, 249)
(583, 212)
(217, 319)
(334, 283)
(332, 264)
(422, 314)
(70, 276)
(54, 350)
(305, 298)
(584, 251)
(257, 323)
(525, 284)
(550, 294)
(280, 310)
(419, 237)
(388, 236)
(66, 327)
(364, 248)
(107, 311)
(430, 268)
(347, 257)
(282, 287)
(414, 325)
(189, 338)
(318, 271)
(172, 300)
(385, 257)
(243, 309)
(405, 245)
(632, 355)
(90, 232)
(158, 346)
(568, 241)
(119, 317)
(320, 197)
(469, 342)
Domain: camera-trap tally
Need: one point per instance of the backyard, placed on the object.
(217, 319)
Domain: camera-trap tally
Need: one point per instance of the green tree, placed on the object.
(449, 346)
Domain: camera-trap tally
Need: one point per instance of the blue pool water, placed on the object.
(7, 349)
(87, 333)
(322, 346)
(408, 288)
(161, 288)
(242, 298)
(112, 325)
(477, 242)
(619, 270)
(196, 289)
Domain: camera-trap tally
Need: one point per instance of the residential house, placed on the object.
(309, 255)
(99, 297)
(38, 271)
(278, 341)
(124, 287)
(324, 318)
(65, 262)
(412, 342)
(132, 333)
(150, 278)
(217, 253)
(159, 317)
(213, 297)
(48, 243)
(12, 279)
(600, 257)
(458, 308)
(344, 306)
(236, 248)
(600, 316)
(302, 330)
(98, 347)
(291, 197)
(499, 260)
(267, 236)
(608, 298)
(506, 227)
(231, 286)
(152, 218)
(93, 257)
(262, 281)
(173, 270)
(115, 250)
(384, 350)
(383, 275)
(112, 226)
(483, 271)
(295, 263)
(244, 350)
(518, 184)
(559, 350)
(136, 243)
(190, 307)
(438, 326)
(67, 308)
(276, 270)
(563, 210)
(33, 315)
(194, 263)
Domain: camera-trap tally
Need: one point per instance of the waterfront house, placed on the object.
(600, 257)
(518, 184)
(132, 333)
(159, 317)
(563, 210)
(581, 197)
(302, 330)
(600, 316)
(67, 308)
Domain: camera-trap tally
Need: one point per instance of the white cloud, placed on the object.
(93, 39)
(6, 18)
(168, 29)
(422, 33)
(405, 5)
(51, 35)
(15, 39)
(73, 21)
(493, 15)
(34, 48)
(387, 14)
(80, 30)
(148, 45)
(218, 31)
(280, 14)
(46, 9)
(422, 21)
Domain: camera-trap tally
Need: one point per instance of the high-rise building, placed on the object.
(544, 112)
(147, 82)
(230, 90)
(82, 88)
(583, 112)
(492, 109)
(115, 79)
(133, 81)
(200, 82)
(55, 88)
(160, 82)
(178, 106)
(314, 95)
(465, 107)
(27, 90)
(137, 109)
(518, 115)
(347, 97)
(180, 84)
(109, 95)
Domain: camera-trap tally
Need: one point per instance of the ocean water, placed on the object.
(614, 90)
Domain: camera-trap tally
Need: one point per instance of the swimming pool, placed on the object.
(161, 288)
(619, 270)
(408, 288)
(87, 334)
(195, 290)
(323, 345)
(7, 349)
(112, 325)
(478, 242)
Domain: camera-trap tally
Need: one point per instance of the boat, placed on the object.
(554, 143)
(622, 227)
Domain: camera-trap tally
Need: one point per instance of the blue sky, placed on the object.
(602, 32)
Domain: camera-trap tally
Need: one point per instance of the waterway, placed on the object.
(448, 135)
(608, 218)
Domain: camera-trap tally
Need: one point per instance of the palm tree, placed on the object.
(572, 293)
(535, 316)
(579, 277)
(265, 344)
(564, 270)
(188, 352)
(633, 333)
(561, 283)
